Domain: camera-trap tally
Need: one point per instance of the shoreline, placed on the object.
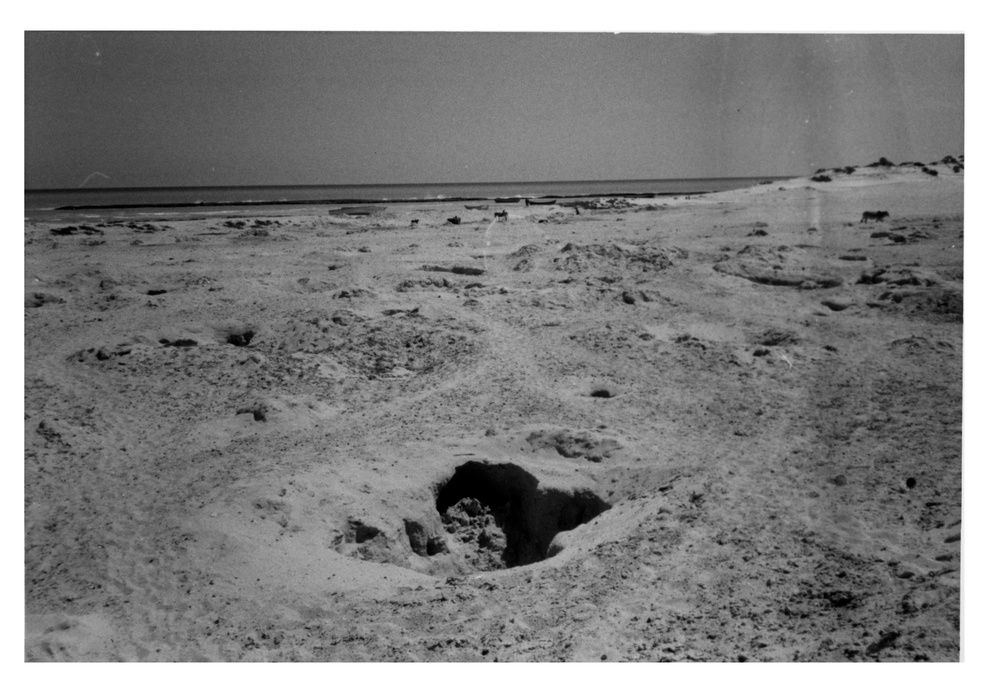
(369, 201)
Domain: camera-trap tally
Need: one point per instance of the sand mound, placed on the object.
(578, 258)
(376, 346)
(900, 276)
(571, 444)
(933, 304)
(781, 266)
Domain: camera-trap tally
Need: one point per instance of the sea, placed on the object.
(109, 204)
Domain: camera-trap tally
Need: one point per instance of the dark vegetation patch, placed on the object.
(773, 337)
(71, 230)
(881, 163)
(899, 276)
(37, 299)
(456, 269)
(934, 304)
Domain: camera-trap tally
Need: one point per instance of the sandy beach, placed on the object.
(710, 428)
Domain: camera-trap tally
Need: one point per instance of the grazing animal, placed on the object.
(414, 222)
(874, 216)
(500, 215)
(455, 220)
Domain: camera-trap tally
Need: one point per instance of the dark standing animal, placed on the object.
(874, 216)
(500, 215)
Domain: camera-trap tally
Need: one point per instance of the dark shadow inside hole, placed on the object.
(240, 339)
(529, 516)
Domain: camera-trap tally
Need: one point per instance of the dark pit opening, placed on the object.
(240, 339)
(362, 532)
(503, 517)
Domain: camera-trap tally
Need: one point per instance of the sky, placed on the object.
(134, 109)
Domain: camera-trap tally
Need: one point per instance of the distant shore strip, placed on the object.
(361, 201)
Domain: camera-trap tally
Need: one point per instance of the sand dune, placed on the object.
(719, 428)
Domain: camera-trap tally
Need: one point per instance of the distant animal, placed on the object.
(500, 215)
(414, 222)
(455, 220)
(874, 216)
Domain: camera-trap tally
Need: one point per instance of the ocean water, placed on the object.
(110, 203)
